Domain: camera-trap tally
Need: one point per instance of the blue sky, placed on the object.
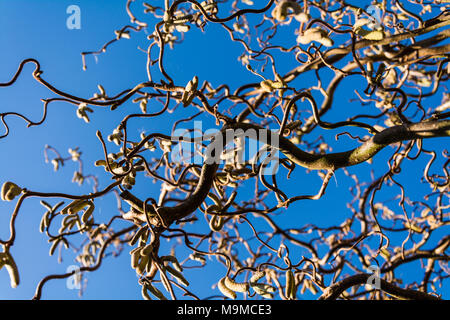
(37, 29)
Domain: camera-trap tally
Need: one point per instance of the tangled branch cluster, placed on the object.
(402, 60)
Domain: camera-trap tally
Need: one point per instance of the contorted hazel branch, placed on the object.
(330, 161)
(334, 291)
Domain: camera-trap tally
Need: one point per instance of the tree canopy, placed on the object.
(341, 111)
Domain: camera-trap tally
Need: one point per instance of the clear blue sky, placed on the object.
(37, 29)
